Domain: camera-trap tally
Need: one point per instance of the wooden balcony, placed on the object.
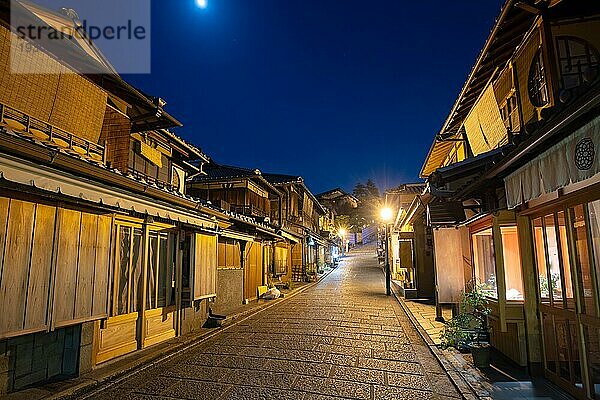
(50, 136)
(250, 211)
(150, 180)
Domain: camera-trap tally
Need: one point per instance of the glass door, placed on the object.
(586, 242)
(567, 246)
(561, 342)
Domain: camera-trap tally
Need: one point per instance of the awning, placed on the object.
(574, 159)
(445, 213)
(236, 235)
(40, 177)
(289, 237)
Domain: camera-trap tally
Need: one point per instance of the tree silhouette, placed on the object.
(369, 202)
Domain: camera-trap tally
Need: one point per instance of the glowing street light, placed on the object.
(342, 232)
(201, 3)
(386, 215)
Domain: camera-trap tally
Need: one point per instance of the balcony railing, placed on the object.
(251, 211)
(32, 128)
(151, 180)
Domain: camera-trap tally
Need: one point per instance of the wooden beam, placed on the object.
(528, 7)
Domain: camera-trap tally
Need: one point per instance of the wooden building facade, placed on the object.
(301, 217)
(514, 177)
(409, 256)
(102, 252)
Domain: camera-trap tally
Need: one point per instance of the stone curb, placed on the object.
(89, 387)
(466, 390)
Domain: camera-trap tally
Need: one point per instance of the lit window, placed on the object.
(552, 257)
(537, 83)
(540, 257)
(512, 263)
(485, 262)
(485, 265)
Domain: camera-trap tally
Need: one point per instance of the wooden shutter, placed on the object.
(252, 269)
(205, 266)
(82, 267)
(66, 266)
(34, 239)
(15, 268)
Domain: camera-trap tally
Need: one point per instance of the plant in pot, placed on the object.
(475, 305)
(469, 329)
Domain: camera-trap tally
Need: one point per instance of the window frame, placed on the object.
(473, 233)
(590, 51)
(538, 75)
(496, 224)
(561, 260)
(116, 275)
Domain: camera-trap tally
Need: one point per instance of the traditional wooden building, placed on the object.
(102, 252)
(339, 201)
(513, 177)
(251, 253)
(300, 214)
(410, 259)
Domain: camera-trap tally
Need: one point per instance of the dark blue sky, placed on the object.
(337, 91)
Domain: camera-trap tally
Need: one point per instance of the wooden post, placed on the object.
(528, 269)
(142, 307)
(180, 243)
(51, 300)
(500, 274)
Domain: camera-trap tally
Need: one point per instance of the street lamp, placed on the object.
(386, 215)
(342, 234)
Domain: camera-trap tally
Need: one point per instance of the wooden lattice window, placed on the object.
(578, 60)
(538, 82)
(510, 113)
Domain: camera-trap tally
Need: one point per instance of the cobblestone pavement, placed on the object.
(425, 316)
(342, 338)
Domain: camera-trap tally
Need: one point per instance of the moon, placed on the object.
(201, 3)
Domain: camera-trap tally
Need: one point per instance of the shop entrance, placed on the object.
(567, 250)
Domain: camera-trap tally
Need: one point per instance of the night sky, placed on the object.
(337, 91)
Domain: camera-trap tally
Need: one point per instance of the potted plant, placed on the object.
(468, 331)
(475, 306)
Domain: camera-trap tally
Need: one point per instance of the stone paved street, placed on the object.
(342, 338)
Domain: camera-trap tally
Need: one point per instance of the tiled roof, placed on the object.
(189, 145)
(408, 188)
(280, 179)
(215, 172)
(334, 194)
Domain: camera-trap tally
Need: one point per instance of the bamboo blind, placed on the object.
(115, 131)
(484, 126)
(53, 94)
(151, 154)
(79, 106)
(504, 85)
(523, 65)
